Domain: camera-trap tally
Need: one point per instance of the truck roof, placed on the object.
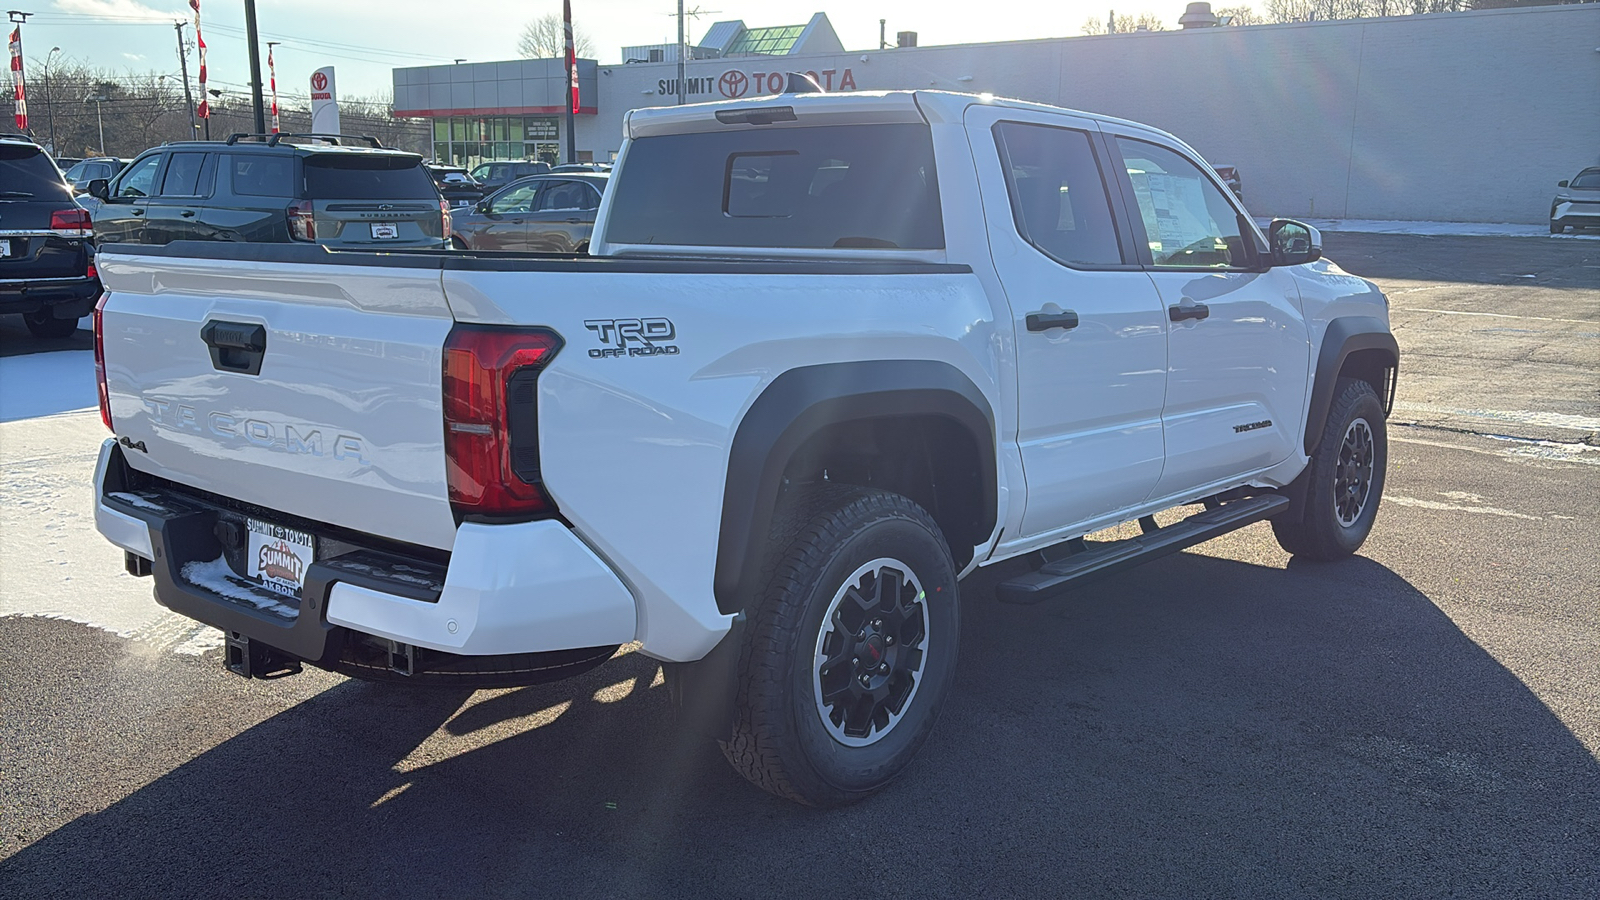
(852, 108)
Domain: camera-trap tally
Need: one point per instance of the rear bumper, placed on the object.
(65, 298)
(531, 587)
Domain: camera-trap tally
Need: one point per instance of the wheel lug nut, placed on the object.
(883, 667)
(889, 639)
(855, 660)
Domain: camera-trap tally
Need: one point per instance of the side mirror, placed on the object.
(1293, 243)
(481, 207)
(1561, 183)
(100, 189)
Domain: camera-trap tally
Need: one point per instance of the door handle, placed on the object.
(1191, 311)
(187, 214)
(1043, 321)
(235, 346)
(574, 221)
(137, 212)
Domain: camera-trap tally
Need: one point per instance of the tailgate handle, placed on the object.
(235, 346)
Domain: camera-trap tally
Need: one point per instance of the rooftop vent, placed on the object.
(1198, 15)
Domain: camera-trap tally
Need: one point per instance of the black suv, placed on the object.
(46, 261)
(272, 189)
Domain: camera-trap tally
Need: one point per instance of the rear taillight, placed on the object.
(491, 419)
(444, 212)
(302, 224)
(100, 359)
(71, 223)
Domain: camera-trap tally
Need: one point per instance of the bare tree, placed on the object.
(1243, 15)
(1147, 20)
(546, 38)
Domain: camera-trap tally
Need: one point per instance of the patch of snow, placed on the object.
(45, 384)
(136, 501)
(1434, 504)
(217, 577)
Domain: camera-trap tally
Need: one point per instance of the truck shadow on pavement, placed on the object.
(1198, 727)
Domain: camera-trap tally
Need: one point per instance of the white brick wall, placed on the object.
(1468, 117)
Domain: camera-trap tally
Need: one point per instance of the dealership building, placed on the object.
(1468, 117)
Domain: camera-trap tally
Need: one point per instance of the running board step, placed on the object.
(1114, 556)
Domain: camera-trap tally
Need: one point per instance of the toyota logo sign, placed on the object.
(319, 81)
(733, 83)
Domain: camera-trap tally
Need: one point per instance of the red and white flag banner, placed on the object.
(16, 79)
(272, 79)
(572, 55)
(204, 109)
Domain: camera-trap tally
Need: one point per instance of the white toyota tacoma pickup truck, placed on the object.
(830, 354)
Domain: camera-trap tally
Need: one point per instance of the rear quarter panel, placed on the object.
(635, 448)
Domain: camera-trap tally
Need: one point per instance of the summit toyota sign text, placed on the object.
(736, 83)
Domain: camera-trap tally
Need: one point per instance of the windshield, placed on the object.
(836, 186)
(26, 173)
(1589, 180)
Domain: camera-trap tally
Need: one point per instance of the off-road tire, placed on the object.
(45, 326)
(1333, 521)
(780, 737)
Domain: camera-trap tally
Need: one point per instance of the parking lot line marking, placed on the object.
(1455, 507)
(1458, 312)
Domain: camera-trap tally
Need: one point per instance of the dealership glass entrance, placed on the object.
(469, 140)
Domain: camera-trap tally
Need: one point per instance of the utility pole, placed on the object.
(255, 65)
(49, 102)
(883, 34)
(682, 47)
(183, 66)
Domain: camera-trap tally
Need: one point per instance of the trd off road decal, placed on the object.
(632, 337)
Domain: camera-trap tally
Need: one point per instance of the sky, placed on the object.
(365, 39)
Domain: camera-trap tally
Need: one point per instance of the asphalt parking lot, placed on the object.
(1420, 721)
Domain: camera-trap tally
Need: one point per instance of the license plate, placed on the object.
(381, 230)
(278, 557)
(5, 249)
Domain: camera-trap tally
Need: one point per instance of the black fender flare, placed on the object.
(1344, 336)
(801, 402)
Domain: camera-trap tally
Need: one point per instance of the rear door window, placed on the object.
(262, 175)
(330, 177)
(568, 195)
(1058, 196)
(24, 169)
(183, 175)
(832, 186)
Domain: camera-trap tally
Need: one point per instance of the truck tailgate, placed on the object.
(310, 389)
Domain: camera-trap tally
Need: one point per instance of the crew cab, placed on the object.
(830, 355)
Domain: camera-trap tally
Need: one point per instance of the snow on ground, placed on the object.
(43, 384)
(52, 561)
(1470, 229)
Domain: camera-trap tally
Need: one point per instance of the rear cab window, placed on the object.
(814, 187)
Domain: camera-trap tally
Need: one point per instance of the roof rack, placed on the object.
(335, 139)
(13, 136)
